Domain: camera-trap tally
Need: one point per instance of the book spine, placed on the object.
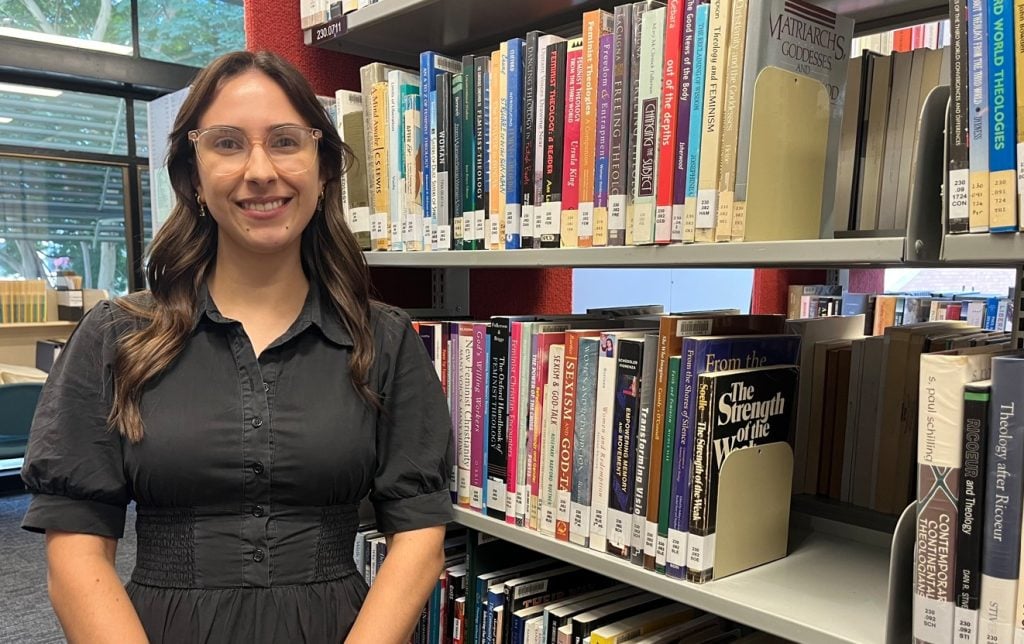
(512, 438)
(515, 144)
(538, 374)
(355, 202)
(603, 427)
(1000, 559)
(596, 23)
(699, 556)
(1018, 61)
(679, 510)
(479, 402)
(413, 222)
(684, 106)
(618, 166)
(645, 180)
(497, 440)
(469, 178)
(541, 118)
(696, 122)
(604, 119)
(668, 457)
(496, 157)
(551, 444)
(1002, 117)
(529, 107)
(458, 175)
(567, 423)
(441, 227)
(549, 220)
(427, 92)
(980, 105)
(481, 140)
(571, 161)
(583, 442)
(527, 380)
(733, 84)
(379, 226)
(707, 186)
(465, 412)
(645, 485)
(970, 503)
(396, 161)
(959, 180)
(667, 119)
(629, 366)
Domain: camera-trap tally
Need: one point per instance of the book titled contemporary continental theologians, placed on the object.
(735, 409)
(800, 37)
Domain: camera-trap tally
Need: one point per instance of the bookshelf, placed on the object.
(18, 341)
(395, 31)
(795, 597)
(845, 584)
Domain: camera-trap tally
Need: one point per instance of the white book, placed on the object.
(550, 443)
(397, 201)
(939, 457)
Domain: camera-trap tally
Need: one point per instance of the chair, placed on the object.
(17, 406)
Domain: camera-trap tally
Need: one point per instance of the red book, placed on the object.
(667, 122)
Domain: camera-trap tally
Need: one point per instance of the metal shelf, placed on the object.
(984, 249)
(881, 251)
(396, 31)
(828, 590)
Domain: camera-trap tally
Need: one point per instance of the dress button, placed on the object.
(257, 422)
(257, 511)
(257, 467)
(257, 555)
(266, 386)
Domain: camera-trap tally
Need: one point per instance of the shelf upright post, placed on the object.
(1018, 315)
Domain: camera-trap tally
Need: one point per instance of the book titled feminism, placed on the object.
(735, 409)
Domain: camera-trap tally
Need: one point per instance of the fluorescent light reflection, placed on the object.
(4, 120)
(30, 90)
(65, 41)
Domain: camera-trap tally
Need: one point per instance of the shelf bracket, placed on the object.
(449, 291)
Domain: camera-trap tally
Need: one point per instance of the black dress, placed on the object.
(249, 476)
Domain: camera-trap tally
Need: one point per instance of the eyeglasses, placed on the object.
(226, 150)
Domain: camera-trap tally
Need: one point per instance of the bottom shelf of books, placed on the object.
(828, 589)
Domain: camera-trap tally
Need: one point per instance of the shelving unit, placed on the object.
(984, 249)
(395, 31)
(821, 573)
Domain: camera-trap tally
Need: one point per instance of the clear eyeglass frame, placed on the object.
(297, 155)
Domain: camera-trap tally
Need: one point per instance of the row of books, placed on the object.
(498, 593)
(610, 433)
(970, 460)
(984, 133)
(317, 12)
(637, 132)
(858, 404)
(878, 144)
(22, 301)
(985, 311)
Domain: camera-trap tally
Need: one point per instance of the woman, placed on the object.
(247, 403)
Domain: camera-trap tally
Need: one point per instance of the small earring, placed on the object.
(320, 202)
(202, 208)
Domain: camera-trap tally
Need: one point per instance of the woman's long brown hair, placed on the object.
(184, 248)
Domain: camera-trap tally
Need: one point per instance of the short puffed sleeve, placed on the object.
(414, 435)
(74, 464)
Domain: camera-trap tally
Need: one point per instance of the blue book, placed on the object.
(1002, 118)
(1004, 492)
(514, 142)
(495, 600)
(706, 355)
(431, 64)
(700, 50)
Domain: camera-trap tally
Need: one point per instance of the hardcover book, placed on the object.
(735, 409)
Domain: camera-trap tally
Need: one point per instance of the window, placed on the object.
(190, 32)
(40, 117)
(62, 215)
(677, 289)
(102, 25)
